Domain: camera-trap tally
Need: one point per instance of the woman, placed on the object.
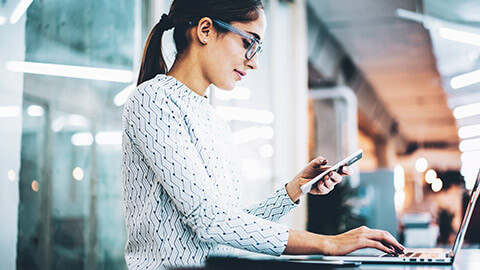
(180, 169)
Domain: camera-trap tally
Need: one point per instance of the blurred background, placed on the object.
(399, 79)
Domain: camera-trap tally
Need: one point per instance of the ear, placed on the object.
(205, 29)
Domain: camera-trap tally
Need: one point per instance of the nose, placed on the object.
(253, 63)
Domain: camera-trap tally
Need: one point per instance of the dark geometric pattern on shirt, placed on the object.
(181, 183)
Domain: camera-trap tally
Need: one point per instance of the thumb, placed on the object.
(319, 161)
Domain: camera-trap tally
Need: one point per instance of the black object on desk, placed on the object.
(270, 262)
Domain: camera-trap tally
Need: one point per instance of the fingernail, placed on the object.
(345, 170)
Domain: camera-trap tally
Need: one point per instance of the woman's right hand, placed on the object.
(363, 237)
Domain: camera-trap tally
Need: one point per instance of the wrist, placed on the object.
(293, 190)
(324, 244)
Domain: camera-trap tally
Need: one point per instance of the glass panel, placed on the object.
(71, 204)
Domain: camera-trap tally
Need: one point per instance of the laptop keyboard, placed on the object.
(425, 255)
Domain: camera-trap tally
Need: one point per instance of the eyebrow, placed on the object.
(255, 35)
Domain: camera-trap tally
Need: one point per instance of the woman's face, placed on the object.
(225, 61)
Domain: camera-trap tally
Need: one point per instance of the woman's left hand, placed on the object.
(323, 186)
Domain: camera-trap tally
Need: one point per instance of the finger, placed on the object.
(329, 184)
(378, 245)
(322, 189)
(336, 178)
(319, 161)
(386, 237)
(344, 170)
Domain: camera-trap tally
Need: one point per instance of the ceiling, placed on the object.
(396, 56)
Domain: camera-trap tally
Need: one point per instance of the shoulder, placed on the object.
(160, 92)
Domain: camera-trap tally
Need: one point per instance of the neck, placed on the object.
(188, 72)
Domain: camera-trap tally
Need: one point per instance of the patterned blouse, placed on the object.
(181, 183)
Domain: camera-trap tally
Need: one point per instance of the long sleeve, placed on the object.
(273, 207)
(158, 129)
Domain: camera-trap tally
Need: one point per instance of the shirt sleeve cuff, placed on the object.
(296, 203)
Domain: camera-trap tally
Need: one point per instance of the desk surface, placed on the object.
(467, 259)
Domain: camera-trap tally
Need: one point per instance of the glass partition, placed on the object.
(79, 56)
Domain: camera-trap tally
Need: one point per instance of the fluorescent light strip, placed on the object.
(469, 131)
(244, 114)
(123, 95)
(19, 10)
(465, 79)
(9, 111)
(82, 139)
(466, 110)
(3, 20)
(109, 138)
(459, 36)
(101, 74)
(469, 145)
(410, 15)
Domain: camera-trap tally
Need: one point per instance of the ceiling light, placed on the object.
(471, 157)
(79, 72)
(399, 177)
(410, 15)
(430, 176)
(421, 164)
(22, 6)
(123, 95)
(465, 79)
(3, 20)
(469, 131)
(35, 111)
(459, 36)
(11, 175)
(82, 139)
(78, 173)
(9, 111)
(469, 145)
(466, 110)
(437, 185)
(35, 185)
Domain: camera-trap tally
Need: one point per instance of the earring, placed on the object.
(205, 40)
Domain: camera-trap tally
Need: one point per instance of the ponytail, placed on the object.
(153, 62)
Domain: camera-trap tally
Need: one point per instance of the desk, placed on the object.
(467, 259)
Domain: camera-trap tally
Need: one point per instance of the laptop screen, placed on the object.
(466, 218)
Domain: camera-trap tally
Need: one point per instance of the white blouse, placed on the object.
(181, 183)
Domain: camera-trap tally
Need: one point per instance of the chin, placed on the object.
(225, 86)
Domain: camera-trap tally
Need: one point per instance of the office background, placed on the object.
(396, 78)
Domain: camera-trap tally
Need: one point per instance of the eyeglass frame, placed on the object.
(241, 33)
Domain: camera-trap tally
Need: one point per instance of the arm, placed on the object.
(275, 206)
(303, 242)
(158, 131)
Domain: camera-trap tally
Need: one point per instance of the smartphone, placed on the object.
(347, 161)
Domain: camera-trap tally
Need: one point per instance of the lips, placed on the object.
(240, 73)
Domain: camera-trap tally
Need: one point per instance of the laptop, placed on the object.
(420, 256)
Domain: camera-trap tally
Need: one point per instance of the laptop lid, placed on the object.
(466, 218)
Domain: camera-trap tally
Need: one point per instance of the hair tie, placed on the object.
(166, 22)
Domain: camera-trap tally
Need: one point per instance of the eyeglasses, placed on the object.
(255, 45)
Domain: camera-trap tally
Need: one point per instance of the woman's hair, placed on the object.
(183, 15)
